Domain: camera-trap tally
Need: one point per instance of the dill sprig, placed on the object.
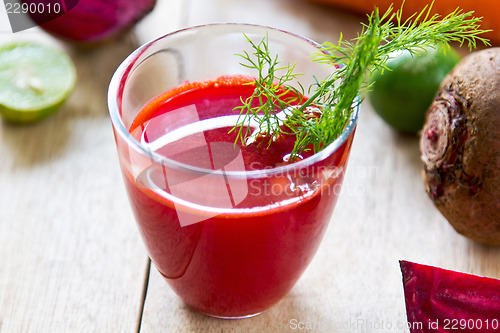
(335, 97)
(272, 92)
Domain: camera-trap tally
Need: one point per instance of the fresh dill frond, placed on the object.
(335, 97)
(272, 92)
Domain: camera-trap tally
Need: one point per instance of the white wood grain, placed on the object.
(71, 259)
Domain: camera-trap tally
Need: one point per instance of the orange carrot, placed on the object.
(487, 9)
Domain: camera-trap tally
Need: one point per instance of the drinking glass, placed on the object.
(230, 241)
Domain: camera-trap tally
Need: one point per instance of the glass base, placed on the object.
(235, 317)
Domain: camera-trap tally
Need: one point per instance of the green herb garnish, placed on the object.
(335, 97)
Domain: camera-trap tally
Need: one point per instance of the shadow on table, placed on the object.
(286, 315)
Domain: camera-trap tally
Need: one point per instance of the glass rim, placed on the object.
(124, 69)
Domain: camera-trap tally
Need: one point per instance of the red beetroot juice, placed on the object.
(240, 260)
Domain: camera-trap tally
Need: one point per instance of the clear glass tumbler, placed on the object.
(230, 240)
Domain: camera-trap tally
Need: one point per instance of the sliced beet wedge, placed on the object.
(439, 300)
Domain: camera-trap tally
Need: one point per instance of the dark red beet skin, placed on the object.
(460, 147)
(439, 300)
(94, 20)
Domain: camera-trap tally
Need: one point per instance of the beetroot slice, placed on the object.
(439, 300)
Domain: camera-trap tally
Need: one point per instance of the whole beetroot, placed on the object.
(460, 147)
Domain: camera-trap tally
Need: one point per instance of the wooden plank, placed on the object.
(72, 260)
(383, 215)
(71, 257)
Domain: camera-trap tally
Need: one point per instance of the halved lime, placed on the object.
(35, 80)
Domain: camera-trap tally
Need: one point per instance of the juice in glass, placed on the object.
(230, 226)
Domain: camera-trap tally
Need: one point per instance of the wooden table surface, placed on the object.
(71, 259)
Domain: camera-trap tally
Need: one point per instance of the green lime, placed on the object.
(35, 80)
(402, 94)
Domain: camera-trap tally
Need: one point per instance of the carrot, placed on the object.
(487, 9)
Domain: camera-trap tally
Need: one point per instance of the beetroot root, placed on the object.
(460, 147)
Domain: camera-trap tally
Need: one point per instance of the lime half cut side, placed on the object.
(35, 80)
